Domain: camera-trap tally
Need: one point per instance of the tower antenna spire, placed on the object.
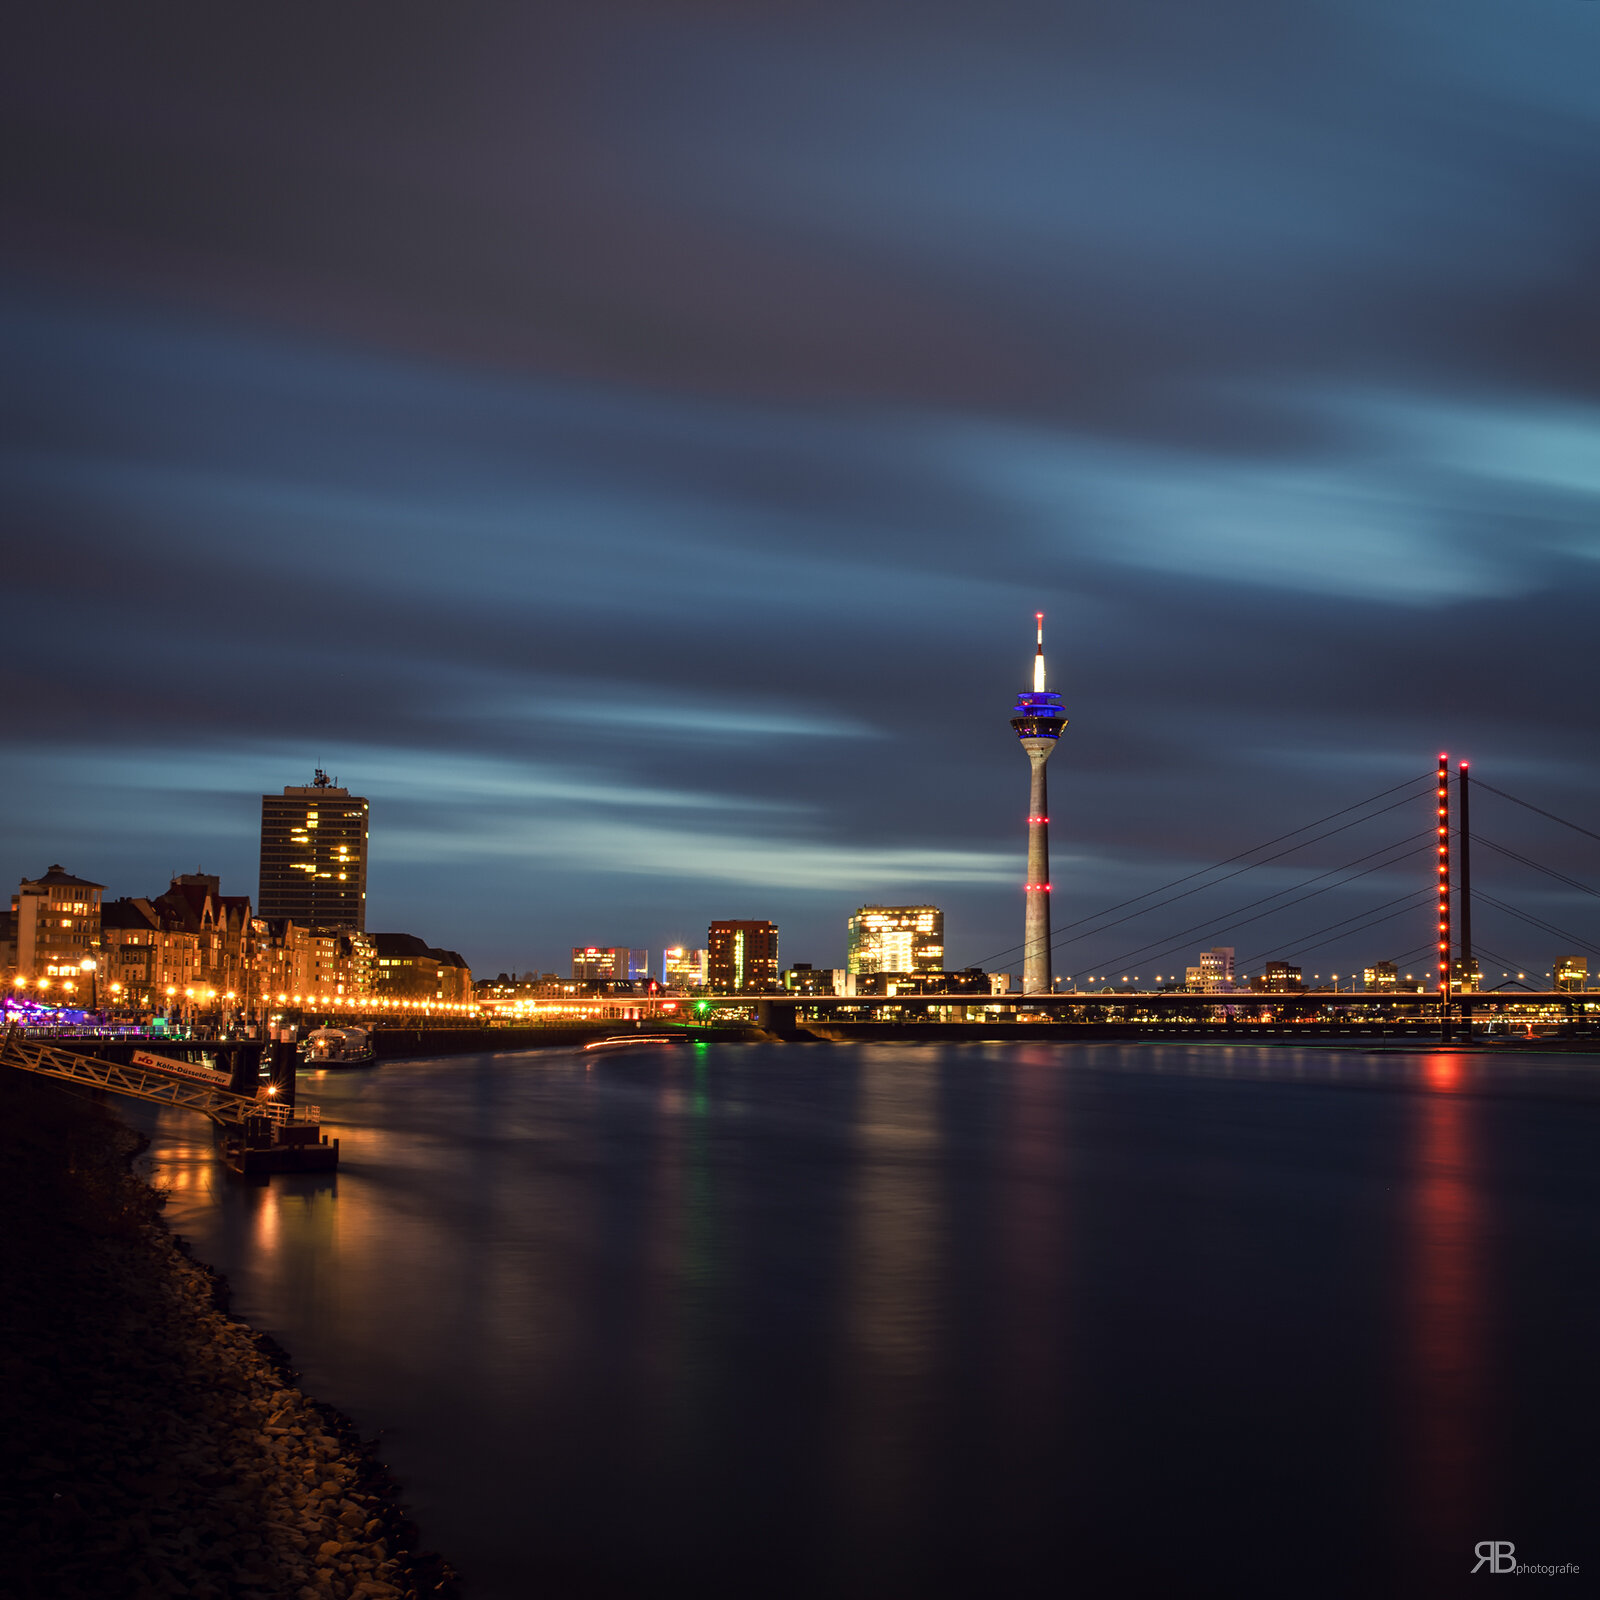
(1038, 657)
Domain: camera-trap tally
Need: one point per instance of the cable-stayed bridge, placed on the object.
(1427, 840)
(1426, 852)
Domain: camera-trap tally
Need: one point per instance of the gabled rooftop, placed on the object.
(56, 878)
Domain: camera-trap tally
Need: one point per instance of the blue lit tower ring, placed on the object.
(1038, 720)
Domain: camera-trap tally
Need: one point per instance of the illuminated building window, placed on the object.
(906, 939)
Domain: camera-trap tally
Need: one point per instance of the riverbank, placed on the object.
(159, 1447)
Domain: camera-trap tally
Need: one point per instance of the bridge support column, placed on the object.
(244, 1068)
(285, 1059)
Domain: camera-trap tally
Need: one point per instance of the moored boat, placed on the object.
(345, 1046)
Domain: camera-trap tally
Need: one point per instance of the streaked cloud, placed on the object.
(632, 452)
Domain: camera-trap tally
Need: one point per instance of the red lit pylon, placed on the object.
(1444, 875)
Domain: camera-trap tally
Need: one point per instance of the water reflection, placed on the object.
(792, 1321)
(1446, 1319)
(1029, 1245)
(890, 1320)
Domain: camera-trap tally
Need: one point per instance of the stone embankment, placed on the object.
(157, 1446)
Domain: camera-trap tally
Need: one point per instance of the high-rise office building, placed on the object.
(1038, 720)
(682, 968)
(742, 956)
(616, 963)
(314, 857)
(895, 939)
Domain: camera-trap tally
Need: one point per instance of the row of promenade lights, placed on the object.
(43, 986)
(356, 1003)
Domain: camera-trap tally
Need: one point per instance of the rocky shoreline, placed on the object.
(159, 1447)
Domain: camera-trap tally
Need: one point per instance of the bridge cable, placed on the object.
(1294, 946)
(1478, 783)
(1499, 960)
(1228, 861)
(1537, 922)
(1416, 950)
(1176, 941)
(1528, 861)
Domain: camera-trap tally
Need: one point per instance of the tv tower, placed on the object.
(1038, 720)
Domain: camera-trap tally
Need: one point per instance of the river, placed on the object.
(976, 1319)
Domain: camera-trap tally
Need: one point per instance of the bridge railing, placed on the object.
(149, 1082)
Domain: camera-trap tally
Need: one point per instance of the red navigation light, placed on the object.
(1038, 616)
(1463, 766)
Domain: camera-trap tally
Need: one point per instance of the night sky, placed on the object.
(628, 444)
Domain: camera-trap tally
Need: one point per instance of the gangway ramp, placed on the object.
(158, 1079)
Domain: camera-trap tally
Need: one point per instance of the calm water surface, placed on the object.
(947, 1320)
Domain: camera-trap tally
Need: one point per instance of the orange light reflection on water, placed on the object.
(1030, 1245)
(891, 1323)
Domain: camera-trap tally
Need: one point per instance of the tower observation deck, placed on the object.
(1038, 720)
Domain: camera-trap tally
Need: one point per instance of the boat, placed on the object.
(346, 1046)
(622, 1040)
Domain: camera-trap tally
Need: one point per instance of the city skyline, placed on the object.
(287, 821)
(648, 532)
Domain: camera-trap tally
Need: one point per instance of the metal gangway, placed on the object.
(155, 1078)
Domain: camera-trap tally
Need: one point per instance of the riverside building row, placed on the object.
(194, 950)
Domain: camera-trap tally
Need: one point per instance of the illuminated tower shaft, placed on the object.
(1038, 722)
(1036, 918)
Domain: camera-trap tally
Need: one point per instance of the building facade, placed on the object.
(57, 928)
(895, 939)
(284, 960)
(593, 963)
(1213, 974)
(404, 968)
(314, 857)
(682, 968)
(1277, 977)
(803, 978)
(742, 957)
(1571, 972)
(191, 949)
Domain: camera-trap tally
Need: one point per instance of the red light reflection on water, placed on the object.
(1443, 1073)
(1444, 1309)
